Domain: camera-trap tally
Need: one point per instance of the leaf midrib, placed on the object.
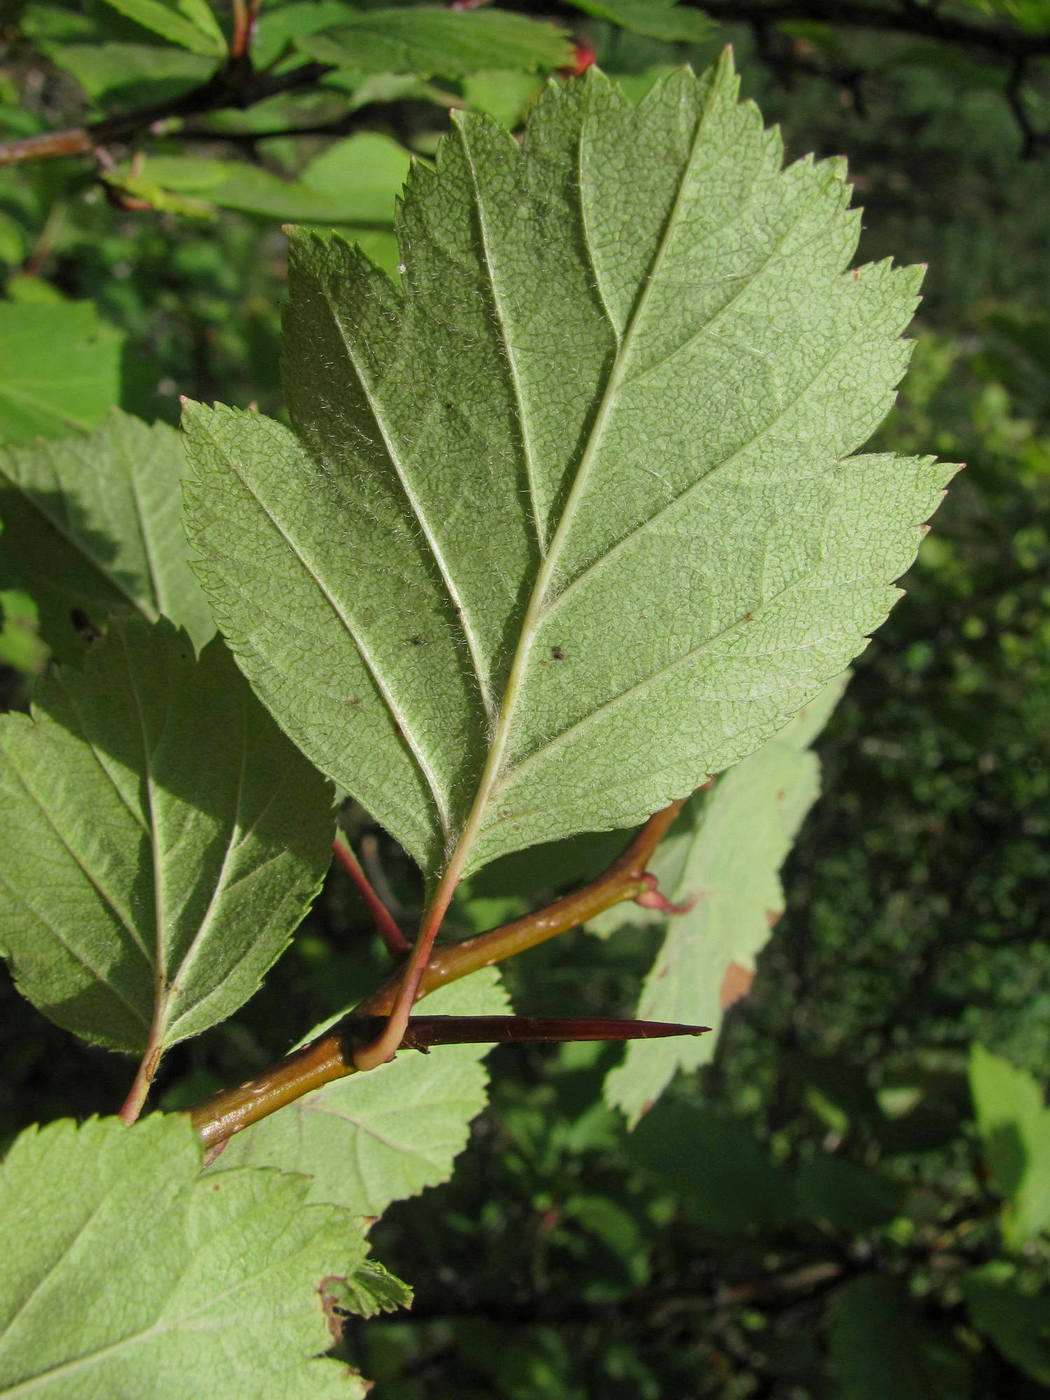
(493, 769)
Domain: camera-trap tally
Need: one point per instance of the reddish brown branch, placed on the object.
(397, 944)
(332, 1056)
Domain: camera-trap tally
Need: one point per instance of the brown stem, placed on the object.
(332, 1056)
(397, 944)
(231, 86)
(245, 13)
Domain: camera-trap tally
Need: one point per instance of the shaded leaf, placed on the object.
(132, 74)
(572, 522)
(879, 1347)
(723, 860)
(1015, 1318)
(844, 1195)
(166, 1284)
(660, 19)
(59, 369)
(373, 1138)
(163, 840)
(715, 1167)
(93, 526)
(448, 43)
(1015, 1130)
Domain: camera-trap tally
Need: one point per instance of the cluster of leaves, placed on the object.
(176, 884)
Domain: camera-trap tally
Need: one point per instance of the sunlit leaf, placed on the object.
(572, 521)
(1014, 1125)
(168, 1284)
(59, 369)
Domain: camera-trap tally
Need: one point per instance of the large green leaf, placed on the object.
(449, 43)
(1015, 1129)
(723, 860)
(127, 1273)
(162, 840)
(374, 1138)
(59, 369)
(571, 521)
(93, 526)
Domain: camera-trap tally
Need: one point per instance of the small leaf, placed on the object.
(188, 23)
(163, 840)
(572, 521)
(353, 182)
(1015, 1129)
(93, 526)
(448, 43)
(378, 1137)
(127, 1273)
(59, 369)
(721, 864)
(368, 1290)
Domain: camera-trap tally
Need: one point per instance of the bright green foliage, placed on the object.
(663, 19)
(189, 23)
(354, 182)
(127, 1273)
(375, 1138)
(572, 522)
(446, 42)
(1015, 1316)
(1015, 1131)
(723, 859)
(163, 839)
(93, 524)
(59, 369)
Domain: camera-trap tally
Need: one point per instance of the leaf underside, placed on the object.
(163, 839)
(571, 521)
